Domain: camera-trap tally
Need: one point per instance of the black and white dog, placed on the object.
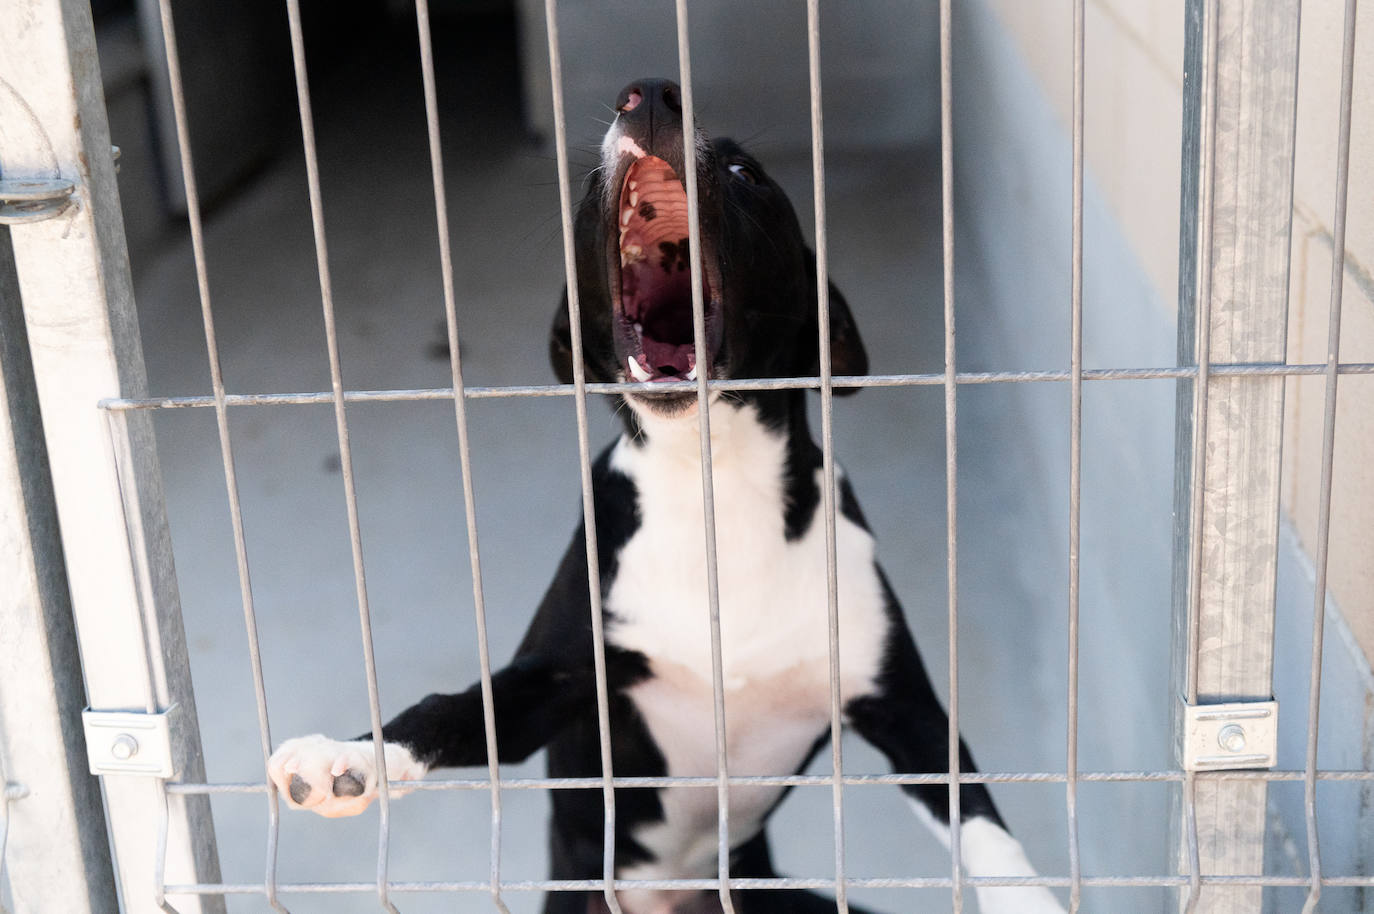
(759, 285)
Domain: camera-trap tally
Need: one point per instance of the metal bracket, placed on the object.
(34, 200)
(130, 742)
(1238, 734)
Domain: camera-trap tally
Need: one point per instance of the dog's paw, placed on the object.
(1033, 899)
(336, 778)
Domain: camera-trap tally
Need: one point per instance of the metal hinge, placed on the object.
(129, 742)
(34, 200)
(1238, 734)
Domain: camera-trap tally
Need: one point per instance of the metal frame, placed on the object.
(54, 826)
(1239, 127)
(83, 338)
(1238, 163)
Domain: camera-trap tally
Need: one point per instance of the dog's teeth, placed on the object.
(639, 328)
(634, 197)
(626, 216)
(640, 374)
(631, 253)
(692, 375)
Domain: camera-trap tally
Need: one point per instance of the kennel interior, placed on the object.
(1013, 187)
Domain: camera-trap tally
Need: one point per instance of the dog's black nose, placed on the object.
(649, 96)
(649, 116)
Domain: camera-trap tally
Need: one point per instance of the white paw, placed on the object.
(990, 851)
(336, 778)
(1035, 899)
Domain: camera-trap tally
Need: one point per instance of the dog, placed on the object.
(759, 290)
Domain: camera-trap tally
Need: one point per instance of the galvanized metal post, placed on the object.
(56, 854)
(1240, 95)
(83, 337)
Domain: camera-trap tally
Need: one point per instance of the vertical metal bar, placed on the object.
(951, 438)
(603, 714)
(813, 33)
(1205, 31)
(312, 168)
(121, 443)
(460, 414)
(61, 858)
(1201, 354)
(160, 876)
(1075, 458)
(689, 173)
(1240, 96)
(83, 336)
(1333, 355)
(1191, 845)
(193, 214)
(10, 791)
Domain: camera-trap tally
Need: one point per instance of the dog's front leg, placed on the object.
(903, 718)
(533, 698)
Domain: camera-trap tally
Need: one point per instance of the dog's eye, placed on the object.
(744, 173)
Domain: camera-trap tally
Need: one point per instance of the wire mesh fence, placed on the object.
(1202, 373)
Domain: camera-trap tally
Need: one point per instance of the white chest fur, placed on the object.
(774, 622)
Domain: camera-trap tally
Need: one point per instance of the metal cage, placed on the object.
(77, 299)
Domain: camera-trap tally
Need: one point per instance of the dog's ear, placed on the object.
(847, 353)
(560, 342)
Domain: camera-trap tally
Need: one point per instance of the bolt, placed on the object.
(124, 747)
(1232, 738)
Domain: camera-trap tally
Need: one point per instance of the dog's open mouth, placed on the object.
(654, 332)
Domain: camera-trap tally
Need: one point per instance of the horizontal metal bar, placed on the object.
(913, 882)
(805, 780)
(890, 380)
